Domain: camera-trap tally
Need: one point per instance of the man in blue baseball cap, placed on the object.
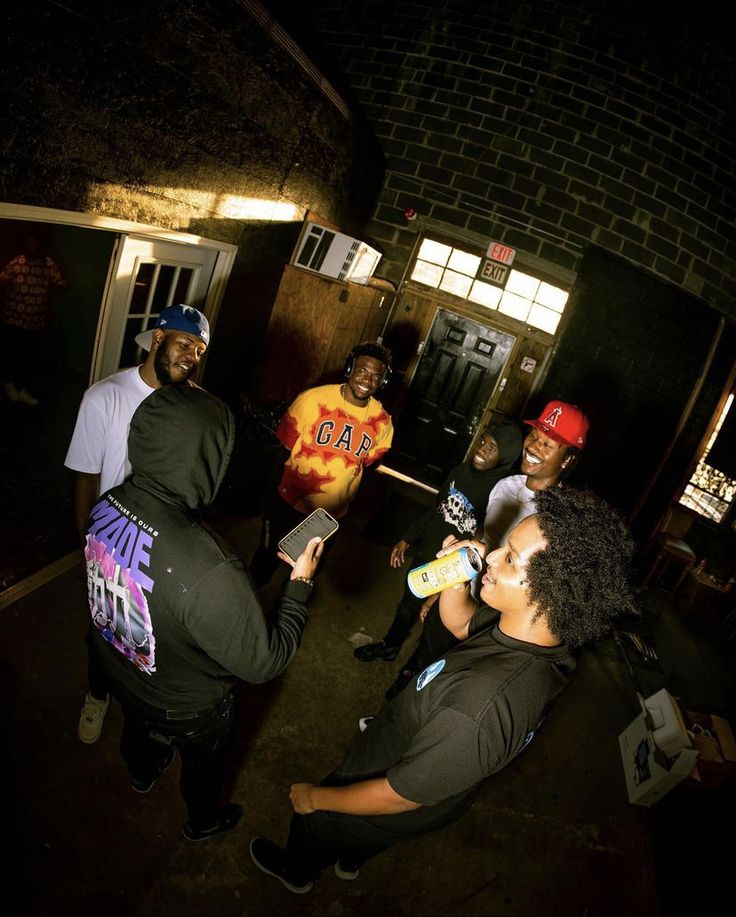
(181, 318)
(98, 451)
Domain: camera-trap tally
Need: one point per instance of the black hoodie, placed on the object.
(176, 615)
(461, 502)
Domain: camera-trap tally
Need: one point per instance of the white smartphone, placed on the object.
(317, 524)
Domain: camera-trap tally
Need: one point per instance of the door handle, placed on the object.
(473, 424)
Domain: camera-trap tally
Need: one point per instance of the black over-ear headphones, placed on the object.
(353, 359)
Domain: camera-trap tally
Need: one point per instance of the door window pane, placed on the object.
(429, 274)
(456, 336)
(523, 284)
(142, 287)
(464, 262)
(435, 252)
(181, 290)
(485, 294)
(131, 354)
(459, 284)
(515, 306)
(164, 284)
(552, 297)
(543, 318)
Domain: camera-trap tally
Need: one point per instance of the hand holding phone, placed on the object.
(318, 524)
(308, 561)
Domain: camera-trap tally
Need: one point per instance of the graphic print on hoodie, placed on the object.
(179, 445)
(118, 557)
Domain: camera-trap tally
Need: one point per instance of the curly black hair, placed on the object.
(372, 349)
(581, 581)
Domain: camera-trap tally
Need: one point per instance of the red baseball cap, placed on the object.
(564, 423)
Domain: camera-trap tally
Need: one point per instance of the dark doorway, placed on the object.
(35, 489)
(460, 365)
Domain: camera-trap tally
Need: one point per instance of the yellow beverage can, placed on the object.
(458, 567)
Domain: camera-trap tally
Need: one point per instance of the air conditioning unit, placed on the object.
(334, 254)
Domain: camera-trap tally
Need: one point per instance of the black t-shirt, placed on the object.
(464, 718)
(460, 509)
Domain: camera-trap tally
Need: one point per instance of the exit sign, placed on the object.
(501, 253)
(494, 272)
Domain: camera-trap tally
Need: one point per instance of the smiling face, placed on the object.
(177, 355)
(542, 460)
(503, 585)
(487, 454)
(363, 381)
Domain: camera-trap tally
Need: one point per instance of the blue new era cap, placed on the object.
(177, 318)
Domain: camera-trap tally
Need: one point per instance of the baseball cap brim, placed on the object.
(548, 431)
(180, 317)
(145, 339)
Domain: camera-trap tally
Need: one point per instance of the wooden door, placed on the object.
(459, 367)
(314, 324)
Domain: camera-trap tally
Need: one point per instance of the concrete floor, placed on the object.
(553, 834)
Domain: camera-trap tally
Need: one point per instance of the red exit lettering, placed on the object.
(502, 253)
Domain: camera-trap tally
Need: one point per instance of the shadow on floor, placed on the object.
(552, 834)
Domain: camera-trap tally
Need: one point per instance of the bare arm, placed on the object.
(369, 797)
(457, 606)
(86, 491)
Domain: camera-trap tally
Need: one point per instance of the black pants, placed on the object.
(97, 680)
(407, 611)
(322, 838)
(203, 740)
(434, 641)
(279, 518)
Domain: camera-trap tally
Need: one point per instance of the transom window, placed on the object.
(710, 492)
(521, 296)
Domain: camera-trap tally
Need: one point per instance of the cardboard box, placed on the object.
(713, 739)
(665, 721)
(650, 775)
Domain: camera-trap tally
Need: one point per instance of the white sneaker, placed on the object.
(345, 872)
(25, 397)
(92, 718)
(10, 390)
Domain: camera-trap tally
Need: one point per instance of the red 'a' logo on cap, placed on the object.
(553, 417)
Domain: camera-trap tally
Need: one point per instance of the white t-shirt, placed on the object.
(509, 502)
(99, 443)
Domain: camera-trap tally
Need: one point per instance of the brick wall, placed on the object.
(551, 124)
(167, 113)
(627, 361)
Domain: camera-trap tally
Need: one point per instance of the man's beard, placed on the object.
(161, 368)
